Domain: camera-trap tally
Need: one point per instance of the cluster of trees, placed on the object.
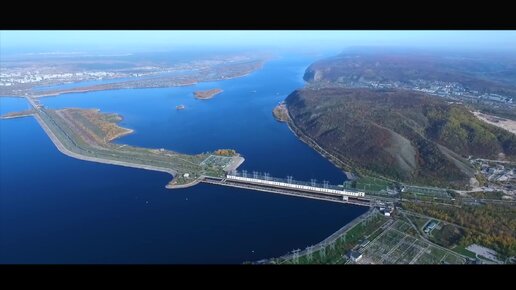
(458, 129)
(490, 225)
(225, 152)
(103, 127)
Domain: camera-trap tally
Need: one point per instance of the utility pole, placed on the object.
(266, 175)
(322, 252)
(295, 258)
(289, 179)
(309, 252)
(244, 173)
(325, 183)
(255, 174)
(313, 182)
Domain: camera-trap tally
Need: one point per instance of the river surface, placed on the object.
(57, 209)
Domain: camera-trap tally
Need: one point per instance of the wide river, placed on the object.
(57, 209)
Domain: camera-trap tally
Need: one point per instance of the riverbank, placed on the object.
(173, 185)
(13, 115)
(348, 170)
(312, 144)
(332, 239)
(280, 113)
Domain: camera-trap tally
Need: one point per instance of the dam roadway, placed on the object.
(362, 201)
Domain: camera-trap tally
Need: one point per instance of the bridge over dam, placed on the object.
(290, 187)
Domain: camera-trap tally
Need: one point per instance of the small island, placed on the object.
(280, 112)
(204, 95)
(180, 107)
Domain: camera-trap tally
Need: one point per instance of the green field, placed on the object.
(427, 191)
(372, 184)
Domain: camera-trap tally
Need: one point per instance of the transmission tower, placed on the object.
(332, 245)
(289, 179)
(309, 252)
(322, 252)
(295, 258)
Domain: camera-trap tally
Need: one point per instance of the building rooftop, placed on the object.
(354, 255)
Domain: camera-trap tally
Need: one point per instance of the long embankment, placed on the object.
(67, 152)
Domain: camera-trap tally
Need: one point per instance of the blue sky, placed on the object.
(38, 41)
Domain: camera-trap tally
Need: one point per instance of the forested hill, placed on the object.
(400, 134)
(482, 72)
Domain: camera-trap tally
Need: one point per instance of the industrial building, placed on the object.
(297, 186)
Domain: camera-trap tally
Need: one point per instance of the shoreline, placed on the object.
(185, 185)
(115, 86)
(127, 132)
(324, 243)
(93, 89)
(312, 144)
(347, 169)
(207, 94)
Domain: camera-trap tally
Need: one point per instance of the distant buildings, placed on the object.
(387, 211)
(501, 177)
(451, 90)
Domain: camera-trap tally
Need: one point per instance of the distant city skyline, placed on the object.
(133, 41)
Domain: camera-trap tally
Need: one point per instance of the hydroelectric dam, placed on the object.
(291, 187)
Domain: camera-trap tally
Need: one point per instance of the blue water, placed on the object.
(56, 209)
